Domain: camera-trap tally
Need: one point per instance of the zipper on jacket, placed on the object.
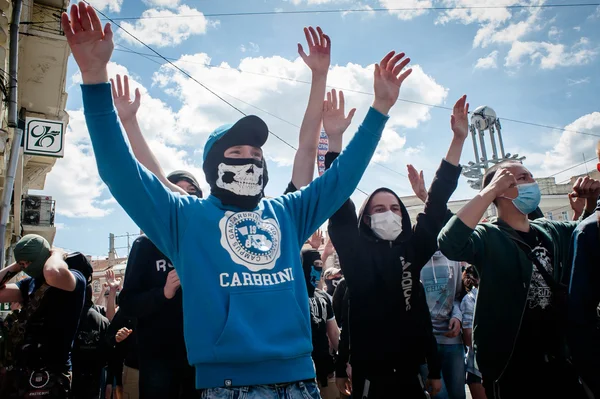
(518, 330)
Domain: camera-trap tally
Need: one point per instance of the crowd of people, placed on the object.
(239, 295)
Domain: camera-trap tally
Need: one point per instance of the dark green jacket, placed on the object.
(505, 274)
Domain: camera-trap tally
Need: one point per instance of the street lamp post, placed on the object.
(484, 119)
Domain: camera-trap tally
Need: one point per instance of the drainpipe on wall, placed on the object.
(13, 67)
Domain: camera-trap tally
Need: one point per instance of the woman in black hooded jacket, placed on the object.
(381, 255)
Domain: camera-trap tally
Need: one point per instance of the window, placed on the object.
(549, 216)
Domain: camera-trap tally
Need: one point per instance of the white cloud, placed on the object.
(575, 82)
(488, 62)
(494, 33)
(298, 2)
(74, 182)
(550, 55)
(162, 3)
(570, 147)
(162, 32)
(110, 5)
(367, 10)
(408, 9)
(201, 111)
(250, 48)
(577, 28)
(390, 143)
(177, 135)
(554, 33)
(494, 16)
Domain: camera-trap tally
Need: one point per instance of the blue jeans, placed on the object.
(453, 371)
(295, 390)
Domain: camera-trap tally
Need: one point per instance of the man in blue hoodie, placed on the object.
(246, 317)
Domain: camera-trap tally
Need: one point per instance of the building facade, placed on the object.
(41, 76)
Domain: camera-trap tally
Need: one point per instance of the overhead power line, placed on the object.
(128, 50)
(357, 10)
(574, 166)
(197, 81)
(239, 110)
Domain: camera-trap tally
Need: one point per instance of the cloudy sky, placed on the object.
(538, 65)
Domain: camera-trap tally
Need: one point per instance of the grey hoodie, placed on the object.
(442, 279)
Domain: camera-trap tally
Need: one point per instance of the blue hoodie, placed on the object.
(246, 317)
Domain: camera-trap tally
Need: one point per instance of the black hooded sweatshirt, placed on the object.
(388, 325)
(159, 320)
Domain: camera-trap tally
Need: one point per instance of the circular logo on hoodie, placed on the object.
(250, 240)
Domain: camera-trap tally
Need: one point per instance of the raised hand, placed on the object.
(319, 50)
(328, 250)
(577, 205)
(586, 187)
(126, 108)
(388, 79)
(91, 46)
(502, 182)
(111, 282)
(316, 239)
(459, 121)
(417, 181)
(122, 334)
(172, 284)
(335, 122)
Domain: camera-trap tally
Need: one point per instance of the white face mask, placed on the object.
(386, 225)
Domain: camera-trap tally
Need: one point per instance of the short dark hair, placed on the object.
(491, 172)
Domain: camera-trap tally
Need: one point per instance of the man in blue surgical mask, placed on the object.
(524, 274)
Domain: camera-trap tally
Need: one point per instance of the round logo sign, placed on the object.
(251, 241)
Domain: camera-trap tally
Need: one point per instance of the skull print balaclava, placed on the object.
(238, 182)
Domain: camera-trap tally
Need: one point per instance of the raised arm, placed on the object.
(113, 285)
(146, 200)
(460, 240)
(318, 59)
(127, 111)
(432, 219)
(313, 205)
(10, 292)
(57, 273)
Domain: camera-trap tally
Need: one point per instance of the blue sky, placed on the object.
(537, 65)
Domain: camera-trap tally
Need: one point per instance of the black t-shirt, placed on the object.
(534, 337)
(90, 355)
(321, 312)
(89, 347)
(54, 323)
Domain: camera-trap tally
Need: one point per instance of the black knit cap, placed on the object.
(179, 175)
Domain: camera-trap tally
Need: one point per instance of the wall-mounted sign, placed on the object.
(44, 137)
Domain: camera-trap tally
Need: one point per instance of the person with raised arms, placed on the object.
(246, 317)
